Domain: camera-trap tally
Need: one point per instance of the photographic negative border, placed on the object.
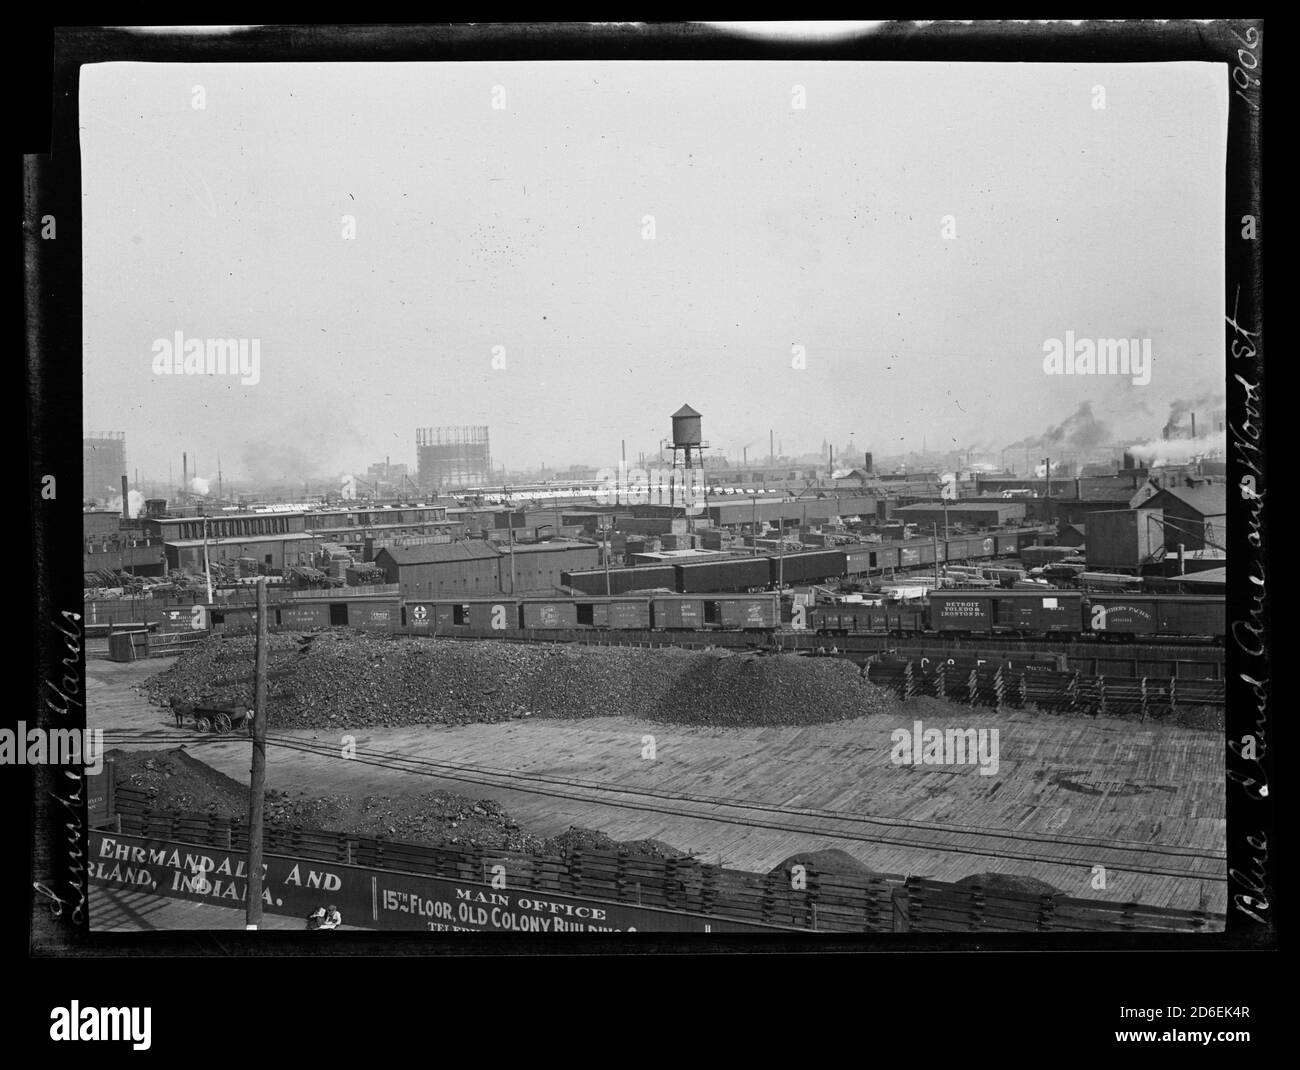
(53, 339)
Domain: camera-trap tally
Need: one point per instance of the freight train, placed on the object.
(702, 575)
(1063, 614)
(1033, 613)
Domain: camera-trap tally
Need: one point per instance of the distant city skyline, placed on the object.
(621, 238)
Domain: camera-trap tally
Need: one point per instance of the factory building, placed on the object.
(103, 463)
(110, 544)
(270, 540)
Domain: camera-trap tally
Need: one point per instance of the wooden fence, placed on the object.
(1056, 691)
(876, 903)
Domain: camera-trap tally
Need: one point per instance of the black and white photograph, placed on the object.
(590, 494)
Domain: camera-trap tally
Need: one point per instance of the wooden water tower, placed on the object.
(688, 458)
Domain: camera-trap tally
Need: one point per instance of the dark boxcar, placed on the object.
(736, 574)
(957, 549)
(804, 567)
(675, 613)
(981, 547)
(1194, 615)
(909, 556)
(621, 580)
(1006, 544)
(746, 613)
(742, 573)
(550, 614)
(1131, 614)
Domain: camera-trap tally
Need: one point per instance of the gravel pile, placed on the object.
(356, 680)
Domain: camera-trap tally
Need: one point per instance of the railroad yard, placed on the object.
(734, 758)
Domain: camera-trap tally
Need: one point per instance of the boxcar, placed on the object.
(1006, 544)
(614, 612)
(374, 616)
(1029, 612)
(673, 613)
(306, 615)
(621, 580)
(471, 615)
(804, 567)
(733, 574)
(550, 614)
(859, 562)
(884, 557)
(746, 613)
(1136, 614)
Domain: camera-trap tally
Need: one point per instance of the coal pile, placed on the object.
(353, 680)
(176, 783)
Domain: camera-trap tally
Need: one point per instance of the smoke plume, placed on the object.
(1079, 431)
(1179, 450)
(1179, 423)
(199, 485)
(134, 500)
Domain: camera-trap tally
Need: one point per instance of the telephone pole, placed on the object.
(257, 776)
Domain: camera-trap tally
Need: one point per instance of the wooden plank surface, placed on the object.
(1069, 795)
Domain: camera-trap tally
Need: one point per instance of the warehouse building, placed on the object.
(475, 567)
(970, 512)
(1125, 539)
(540, 567)
(442, 569)
(1195, 517)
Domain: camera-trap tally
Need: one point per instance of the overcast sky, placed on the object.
(523, 227)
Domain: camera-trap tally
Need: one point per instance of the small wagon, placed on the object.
(219, 719)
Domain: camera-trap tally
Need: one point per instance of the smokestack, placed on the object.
(868, 463)
(185, 473)
(1193, 425)
(1129, 461)
(1078, 489)
(126, 500)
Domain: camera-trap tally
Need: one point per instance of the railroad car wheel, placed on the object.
(223, 722)
(202, 724)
